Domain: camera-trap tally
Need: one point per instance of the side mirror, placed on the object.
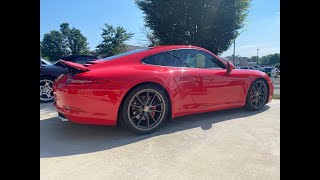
(230, 67)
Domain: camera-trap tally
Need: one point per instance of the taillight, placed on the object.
(81, 80)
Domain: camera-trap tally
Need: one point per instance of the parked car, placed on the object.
(48, 73)
(143, 88)
(80, 59)
(244, 67)
(256, 67)
(268, 70)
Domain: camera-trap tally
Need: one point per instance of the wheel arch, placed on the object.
(140, 84)
(258, 78)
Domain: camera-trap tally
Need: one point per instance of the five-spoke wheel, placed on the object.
(46, 93)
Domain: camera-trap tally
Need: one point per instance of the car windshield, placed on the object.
(124, 54)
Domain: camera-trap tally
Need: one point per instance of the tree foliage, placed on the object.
(150, 40)
(274, 59)
(270, 59)
(67, 41)
(112, 40)
(254, 59)
(212, 24)
(52, 46)
(74, 41)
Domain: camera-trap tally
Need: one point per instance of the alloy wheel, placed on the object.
(146, 109)
(258, 94)
(46, 93)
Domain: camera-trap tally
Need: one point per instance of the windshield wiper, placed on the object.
(178, 58)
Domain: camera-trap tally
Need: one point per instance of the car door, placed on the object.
(211, 84)
(179, 83)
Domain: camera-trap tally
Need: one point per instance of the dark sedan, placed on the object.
(48, 73)
(80, 59)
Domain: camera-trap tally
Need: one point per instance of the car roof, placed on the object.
(175, 46)
(45, 61)
(172, 47)
(72, 57)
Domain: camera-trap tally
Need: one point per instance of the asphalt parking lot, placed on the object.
(229, 144)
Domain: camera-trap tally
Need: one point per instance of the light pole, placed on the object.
(234, 51)
(257, 56)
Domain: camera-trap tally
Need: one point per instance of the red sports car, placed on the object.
(145, 87)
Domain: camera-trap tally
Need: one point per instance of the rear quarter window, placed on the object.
(163, 59)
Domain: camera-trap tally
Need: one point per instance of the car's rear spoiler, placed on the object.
(73, 68)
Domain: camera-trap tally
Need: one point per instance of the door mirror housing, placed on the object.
(230, 67)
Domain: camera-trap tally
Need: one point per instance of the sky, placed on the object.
(262, 29)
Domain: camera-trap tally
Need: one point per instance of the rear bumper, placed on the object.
(87, 106)
(83, 117)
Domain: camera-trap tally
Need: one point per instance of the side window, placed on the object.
(163, 59)
(198, 59)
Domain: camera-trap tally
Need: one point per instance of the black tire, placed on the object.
(42, 97)
(249, 104)
(145, 114)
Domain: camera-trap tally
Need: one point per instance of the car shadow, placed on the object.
(65, 138)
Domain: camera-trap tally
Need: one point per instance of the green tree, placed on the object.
(270, 59)
(212, 24)
(67, 41)
(150, 40)
(254, 58)
(52, 46)
(153, 41)
(113, 40)
(73, 40)
(274, 59)
(264, 60)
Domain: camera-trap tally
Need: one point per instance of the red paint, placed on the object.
(191, 90)
(74, 65)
